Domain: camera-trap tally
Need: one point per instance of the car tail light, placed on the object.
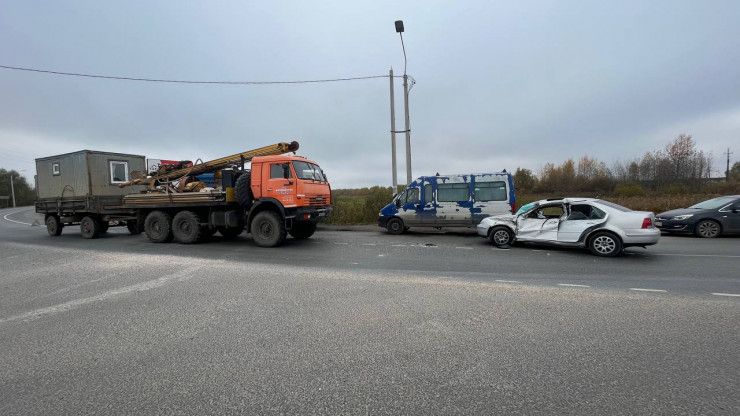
(647, 223)
(513, 207)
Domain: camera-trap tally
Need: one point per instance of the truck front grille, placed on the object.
(318, 200)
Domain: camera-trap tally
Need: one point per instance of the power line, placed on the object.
(176, 81)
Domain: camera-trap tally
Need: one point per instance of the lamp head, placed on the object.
(399, 26)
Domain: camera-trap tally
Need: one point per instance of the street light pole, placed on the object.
(12, 190)
(400, 29)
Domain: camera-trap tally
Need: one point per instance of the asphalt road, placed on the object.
(363, 322)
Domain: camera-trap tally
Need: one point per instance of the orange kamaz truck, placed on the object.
(279, 194)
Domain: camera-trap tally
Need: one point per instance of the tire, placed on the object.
(605, 244)
(89, 227)
(54, 225)
(186, 227)
(133, 227)
(708, 229)
(501, 236)
(395, 226)
(229, 233)
(243, 190)
(104, 225)
(268, 230)
(303, 230)
(158, 227)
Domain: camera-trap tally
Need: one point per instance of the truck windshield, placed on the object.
(305, 170)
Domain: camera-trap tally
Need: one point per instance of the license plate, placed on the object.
(658, 224)
(322, 214)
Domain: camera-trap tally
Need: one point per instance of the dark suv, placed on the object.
(706, 219)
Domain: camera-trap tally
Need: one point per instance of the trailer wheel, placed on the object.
(303, 230)
(89, 227)
(186, 227)
(229, 233)
(268, 230)
(53, 225)
(243, 190)
(158, 227)
(104, 225)
(133, 227)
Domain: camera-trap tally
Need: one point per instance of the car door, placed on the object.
(731, 216)
(541, 224)
(409, 206)
(580, 218)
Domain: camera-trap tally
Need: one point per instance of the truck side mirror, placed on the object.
(286, 170)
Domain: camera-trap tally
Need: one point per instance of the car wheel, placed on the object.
(707, 229)
(501, 236)
(395, 226)
(605, 245)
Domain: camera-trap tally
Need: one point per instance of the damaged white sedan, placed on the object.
(603, 227)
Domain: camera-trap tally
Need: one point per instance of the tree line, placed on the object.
(24, 193)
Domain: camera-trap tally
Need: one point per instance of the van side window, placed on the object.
(453, 192)
(490, 191)
(412, 195)
(428, 193)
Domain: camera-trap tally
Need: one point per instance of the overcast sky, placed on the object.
(502, 84)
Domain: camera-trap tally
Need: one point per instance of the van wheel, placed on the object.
(243, 190)
(186, 227)
(54, 225)
(395, 226)
(303, 230)
(158, 227)
(89, 227)
(268, 230)
(501, 236)
(605, 245)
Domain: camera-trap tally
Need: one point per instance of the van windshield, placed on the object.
(305, 170)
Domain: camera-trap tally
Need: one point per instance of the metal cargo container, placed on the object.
(87, 173)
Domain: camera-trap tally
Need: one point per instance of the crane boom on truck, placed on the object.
(280, 195)
(214, 165)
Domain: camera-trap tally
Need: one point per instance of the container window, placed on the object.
(118, 172)
(55, 168)
(453, 192)
(490, 191)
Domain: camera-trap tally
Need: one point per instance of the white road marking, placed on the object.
(370, 244)
(180, 276)
(647, 290)
(508, 281)
(398, 245)
(341, 244)
(727, 294)
(570, 285)
(464, 248)
(5, 217)
(699, 255)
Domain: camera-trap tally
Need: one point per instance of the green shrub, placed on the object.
(627, 190)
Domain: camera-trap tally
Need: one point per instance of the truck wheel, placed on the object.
(133, 227)
(228, 233)
(605, 244)
(53, 225)
(268, 230)
(104, 225)
(186, 227)
(395, 226)
(303, 230)
(158, 227)
(89, 227)
(501, 236)
(243, 190)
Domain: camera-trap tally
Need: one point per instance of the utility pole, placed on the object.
(12, 190)
(727, 172)
(400, 30)
(393, 138)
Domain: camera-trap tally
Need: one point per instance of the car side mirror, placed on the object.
(398, 202)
